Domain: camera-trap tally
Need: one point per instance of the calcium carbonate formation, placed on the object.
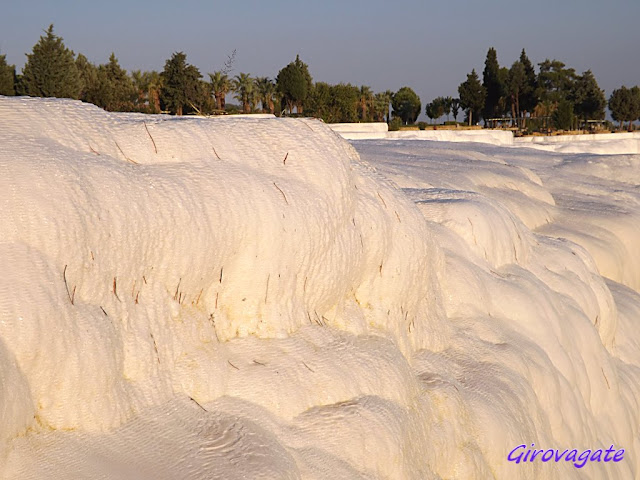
(256, 298)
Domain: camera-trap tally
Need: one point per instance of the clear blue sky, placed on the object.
(429, 46)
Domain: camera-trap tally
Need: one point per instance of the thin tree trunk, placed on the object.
(470, 116)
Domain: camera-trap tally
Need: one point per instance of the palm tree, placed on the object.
(147, 86)
(220, 86)
(139, 80)
(365, 100)
(154, 87)
(266, 90)
(381, 105)
(242, 84)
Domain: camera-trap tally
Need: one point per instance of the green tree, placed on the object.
(555, 81)
(242, 84)
(50, 70)
(318, 101)
(516, 83)
(528, 99)
(147, 87)
(635, 104)
(588, 98)
(472, 95)
(89, 78)
(365, 103)
(115, 89)
(448, 104)
(344, 103)
(7, 77)
(266, 90)
(381, 103)
(455, 107)
(624, 105)
(406, 105)
(181, 86)
(436, 108)
(220, 86)
(492, 84)
(563, 116)
(294, 84)
(154, 86)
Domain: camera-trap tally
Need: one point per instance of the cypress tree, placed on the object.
(180, 84)
(294, 84)
(589, 99)
(51, 70)
(116, 88)
(89, 79)
(528, 100)
(516, 84)
(7, 77)
(472, 95)
(492, 85)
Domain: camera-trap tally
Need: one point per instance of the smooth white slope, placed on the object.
(245, 298)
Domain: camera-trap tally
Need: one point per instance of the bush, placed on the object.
(395, 124)
(422, 125)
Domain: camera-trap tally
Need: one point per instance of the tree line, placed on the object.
(53, 70)
(554, 97)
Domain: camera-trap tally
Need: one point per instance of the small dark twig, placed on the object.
(266, 293)
(308, 367)
(91, 148)
(127, 158)
(283, 195)
(214, 151)
(115, 289)
(198, 299)
(284, 162)
(605, 378)
(64, 276)
(259, 363)
(155, 347)
(175, 295)
(196, 402)
(229, 362)
(103, 311)
(154, 143)
(213, 324)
